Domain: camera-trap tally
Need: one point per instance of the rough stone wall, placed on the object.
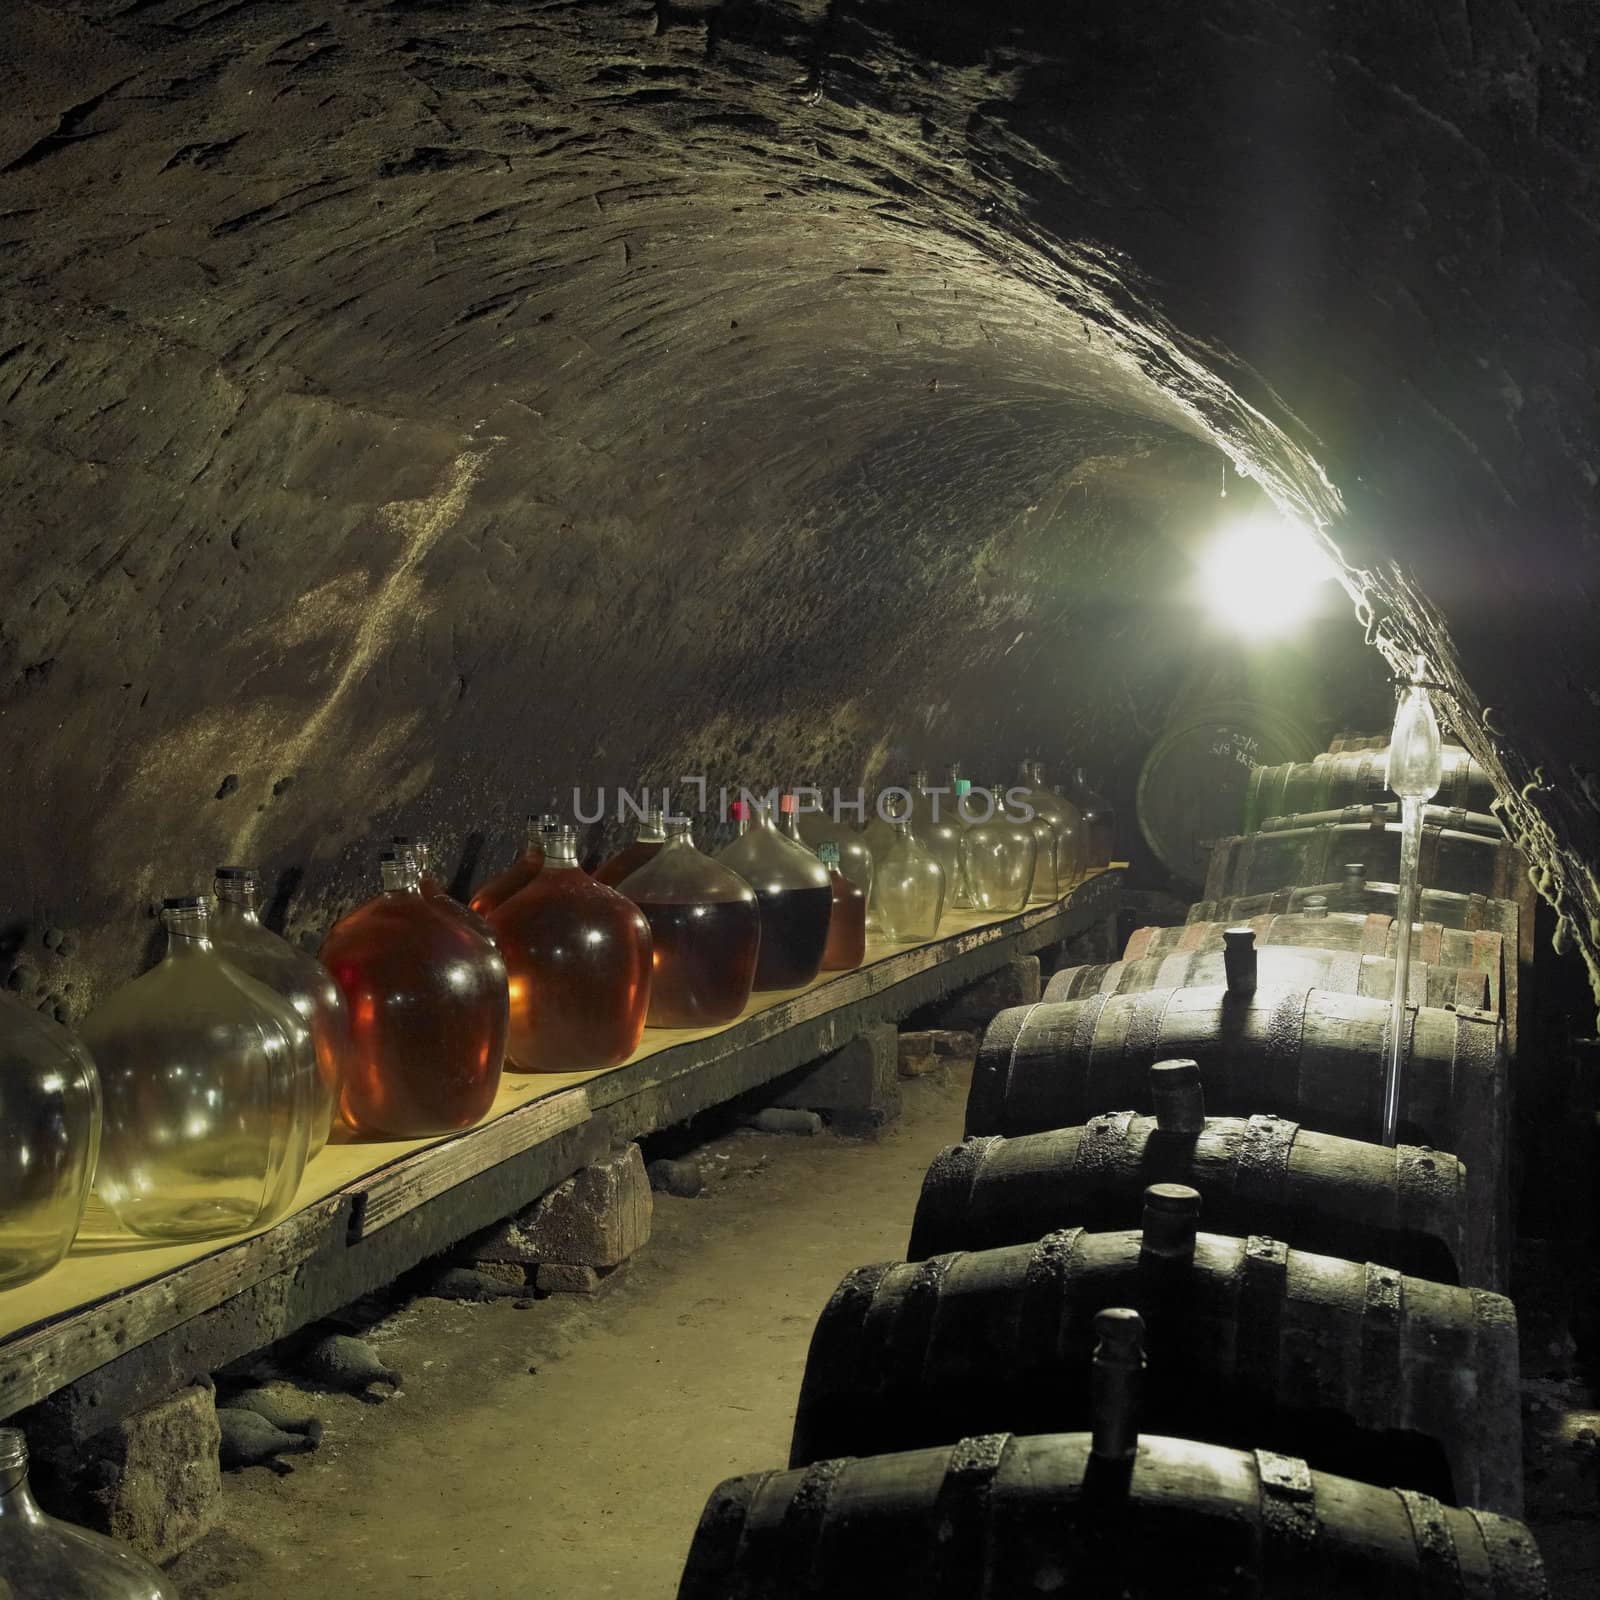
(409, 409)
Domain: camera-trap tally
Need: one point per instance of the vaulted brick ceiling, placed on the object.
(412, 409)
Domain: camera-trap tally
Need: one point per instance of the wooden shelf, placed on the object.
(145, 1317)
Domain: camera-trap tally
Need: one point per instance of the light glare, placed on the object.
(1261, 576)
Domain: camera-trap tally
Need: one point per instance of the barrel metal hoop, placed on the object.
(1258, 1310)
(1144, 1028)
(1422, 1189)
(1431, 942)
(1514, 1564)
(1041, 1317)
(961, 1509)
(1438, 1565)
(805, 1517)
(1382, 1311)
(1288, 1508)
(913, 1323)
(1375, 933)
(1261, 1161)
(1286, 1032)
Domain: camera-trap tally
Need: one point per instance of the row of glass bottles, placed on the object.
(220, 1071)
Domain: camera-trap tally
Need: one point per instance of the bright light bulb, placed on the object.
(1262, 575)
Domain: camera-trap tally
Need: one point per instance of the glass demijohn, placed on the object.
(847, 927)
(633, 855)
(794, 893)
(937, 825)
(1066, 819)
(705, 932)
(49, 1138)
(428, 1011)
(1099, 821)
(997, 857)
(43, 1558)
(814, 829)
(910, 888)
(518, 875)
(577, 958)
(292, 974)
(210, 1081)
(433, 887)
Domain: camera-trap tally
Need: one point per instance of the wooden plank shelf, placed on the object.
(123, 1321)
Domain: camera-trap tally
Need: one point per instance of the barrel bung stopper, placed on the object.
(1316, 905)
(1355, 877)
(1179, 1097)
(1171, 1221)
(1114, 1384)
(1239, 959)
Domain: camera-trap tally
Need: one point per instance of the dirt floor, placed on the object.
(564, 1451)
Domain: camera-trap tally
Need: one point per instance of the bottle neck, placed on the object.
(16, 1498)
(651, 830)
(188, 932)
(561, 848)
(235, 904)
(400, 877)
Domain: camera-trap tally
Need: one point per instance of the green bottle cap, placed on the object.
(828, 854)
(963, 787)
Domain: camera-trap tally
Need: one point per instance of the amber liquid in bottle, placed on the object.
(577, 960)
(628, 859)
(515, 878)
(703, 959)
(794, 927)
(847, 926)
(428, 1013)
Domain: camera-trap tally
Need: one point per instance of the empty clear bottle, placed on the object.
(43, 1558)
(998, 858)
(910, 888)
(1067, 820)
(1023, 808)
(705, 932)
(50, 1117)
(577, 957)
(429, 1010)
(937, 824)
(295, 976)
(209, 1081)
(1099, 821)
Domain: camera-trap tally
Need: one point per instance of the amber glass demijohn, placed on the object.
(847, 926)
(292, 974)
(794, 894)
(43, 1558)
(428, 1011)
(518, 875)
(49, 1138)
(814, 829)
(421, 851)
(210, 1083)
(705, 933)
(577, 958)
(633, 855)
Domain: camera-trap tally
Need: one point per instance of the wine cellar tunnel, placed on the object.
(416, 415)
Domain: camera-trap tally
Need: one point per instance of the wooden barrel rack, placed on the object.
(1172, 1319)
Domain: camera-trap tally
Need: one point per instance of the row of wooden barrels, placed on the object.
(1171, 1319)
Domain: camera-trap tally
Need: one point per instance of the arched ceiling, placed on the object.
(413, 409)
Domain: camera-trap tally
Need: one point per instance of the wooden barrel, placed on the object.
(1355, 778)
(1349, 970)
(1403, 1207)
(1359, 1369)
(1467, 863)
(1001, 1516)
(1313, 1055)
(1481, 950)
(1192, 785)
(1432, 816)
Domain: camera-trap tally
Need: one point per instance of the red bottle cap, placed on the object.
(788, 803)
(739, 810)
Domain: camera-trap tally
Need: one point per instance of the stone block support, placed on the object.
(597, 1218)
(854, 1088)
(928, 1049)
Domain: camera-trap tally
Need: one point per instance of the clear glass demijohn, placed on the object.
(1067, 820)
(292, 974)
(998, 858)
(43, 1558)
(49, 1139)
(210, 1084)
(910, 885)
(936, 821)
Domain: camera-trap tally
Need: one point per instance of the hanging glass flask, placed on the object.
(705, 932)
(210, 1084)
(577, 958)
(43, 1558)
(794, 895)
(294, 976)
(49, 1139)
(428, 1011)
